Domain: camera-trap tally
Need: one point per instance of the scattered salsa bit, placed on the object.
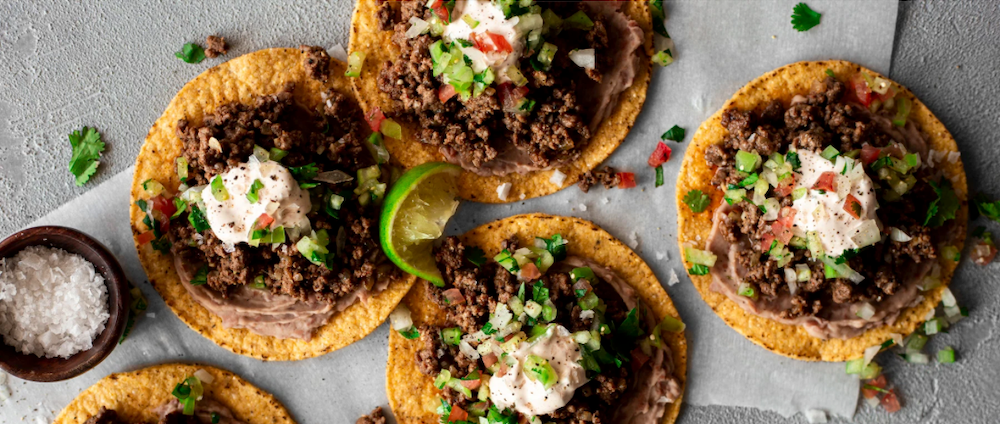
(215, 46)
(53, 303)
(191, 53)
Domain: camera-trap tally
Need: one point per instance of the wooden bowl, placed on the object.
(31, 367)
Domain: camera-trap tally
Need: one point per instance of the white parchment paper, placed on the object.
(721, 45)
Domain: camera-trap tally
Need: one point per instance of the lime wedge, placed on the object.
(414, 215)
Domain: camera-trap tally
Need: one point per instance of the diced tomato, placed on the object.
(164, 206)
(875, 382)
(454, 296)
(472, 384)
(983, 253)
(869, 153)
(439, 8)
(858, 90)
(782, 228)
(627, 180)
(530, 272)
(891, 402)
(489, 360)
(765, 242)
(511, 95)
(489, 42)
(263, 221)
(446, 92)
(827, 181)
(786, 186)
(457, 414)
(853, 206)
(375, 118)
(660, 155)
(638, 359)
(145, 237)
(890, 93)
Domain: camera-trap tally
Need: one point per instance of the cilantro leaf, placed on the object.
(304, 172)
(804, 18)
(793, 158)
(475, 255)
(697, 201)
(675, 133)
(698, 269)
(409, 333)
(944, 207)
(656, 7)
(539, 293)
(87, 148)
(191, 53)
(987, 208)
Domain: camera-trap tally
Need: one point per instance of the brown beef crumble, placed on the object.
(481, 132)
(215, 46)
(374, 417)
(329, 137)
(820, 119)
(606, 176)
(316, 62)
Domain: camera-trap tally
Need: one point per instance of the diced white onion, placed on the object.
(503, 190)
(204, 376)
(896, 338)
(871, 352)
(583, 58)
(581, 337)
(528, 22)
(948, 298)
(769, 176)
(400, 318)
(866, 311)
(589, 314)
(773, 206)
(468, 350)
(214, 144)
(917, 358)
(873, 401)
(843, 186)
(803, 272)
(557, 178)
(868, 233)
(953, 157)
(817, 416)
(417, 26)
(792, 278)
(898, 235)
(501, 316)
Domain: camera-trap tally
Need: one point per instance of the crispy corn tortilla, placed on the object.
(412, 395)
(240, 80)
(788, 340)
(133, 395)
(378, 48)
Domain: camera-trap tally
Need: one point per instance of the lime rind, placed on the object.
(416, 211)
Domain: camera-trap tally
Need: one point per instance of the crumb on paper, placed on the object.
(583, 207)
(633, 239)
(660, 256)
(604, 200)
(673, 278)
(150, 314)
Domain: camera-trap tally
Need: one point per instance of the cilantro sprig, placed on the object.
(697, 201)
(987, 208)
(944, 207)
(675, 133)
(87, 148)
(804, 18)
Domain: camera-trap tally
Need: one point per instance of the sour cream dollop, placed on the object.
(824, 212)
(280, 197)
(530, 397)
(491, 19)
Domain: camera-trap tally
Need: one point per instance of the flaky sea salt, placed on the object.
(52, 303)
(583, 207)
(633, 239)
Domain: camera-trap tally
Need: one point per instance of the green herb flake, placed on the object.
(201, 277)
(944, 207)
(254, 188)
(191, 53)
(659, 176)
(304, 172)
(698, 269)
(804, 18)
(986, 208)
(410, 333)
(475, 255)
(675, 133)
(697, 201)
(87, 148)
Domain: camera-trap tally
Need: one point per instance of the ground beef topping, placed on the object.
(328, 137)
(471, 293)
(828, 121)
(316, 62)
(502, 128)
(374, 417)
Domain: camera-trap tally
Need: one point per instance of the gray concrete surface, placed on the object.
(59, 70)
